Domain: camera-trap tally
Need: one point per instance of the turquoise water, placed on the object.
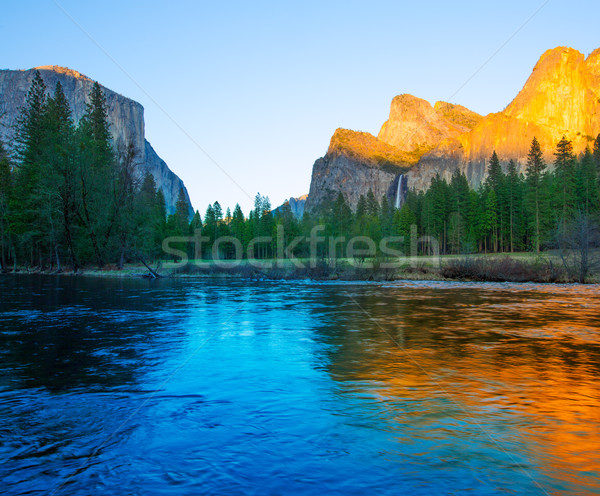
(231, 387)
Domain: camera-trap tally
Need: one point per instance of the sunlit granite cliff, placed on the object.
(562, 96)
(126, 118)
(354, 163)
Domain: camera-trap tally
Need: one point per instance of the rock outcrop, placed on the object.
(415, 127)
(126, 118)
(357, 162)
(354, 163)
(561, 97)
(296, 206)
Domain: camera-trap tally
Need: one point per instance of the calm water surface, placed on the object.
(231, 387)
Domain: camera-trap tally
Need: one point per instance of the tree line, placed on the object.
(509, 212)
(67, 195)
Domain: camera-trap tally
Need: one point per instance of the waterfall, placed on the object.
(399, 191)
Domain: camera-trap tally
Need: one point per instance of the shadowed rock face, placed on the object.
(338, 173)
(125, 116)
(562, 96)
(296, 206)
(354, 163)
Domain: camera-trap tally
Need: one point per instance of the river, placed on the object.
(199, 386)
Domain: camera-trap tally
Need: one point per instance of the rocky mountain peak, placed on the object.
(61, 70)
(367, 148)
(561, 92)
(458, 115)
(415, 126)
(593, 62)
(296, 205)
(560, 97)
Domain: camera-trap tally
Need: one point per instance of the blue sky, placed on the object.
(261, 86)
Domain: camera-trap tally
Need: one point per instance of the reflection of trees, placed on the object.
(82, 332)
(525, 362)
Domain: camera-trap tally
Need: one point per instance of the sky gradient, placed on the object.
(261, 87)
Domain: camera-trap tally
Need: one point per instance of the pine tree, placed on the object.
(29, 137)
(496, 182)
(535, 178)
(459, 195)
(30, 142)
(587, 184)
(147, 192)
(386, 216)
(439, 194)
(341, 216)
(372, 204)
(60, 182)
(5, 213)
(238, 228)
(178, 225)
(210, 228)
(339, 222)
(258, 222)
(96, 172)
(95, 124)
(150, 218)
(490, 223)
(494, 178)
(196, 223)
(160, 214)
(513, 193)
(564, 173)
(218, 212)
(123, 204)
(361, 207)
(285, 219)
(403, 220)
(182, 212)
(474, 222)
(267, 226)
(194, 228)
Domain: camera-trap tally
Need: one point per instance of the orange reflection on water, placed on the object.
(521, 364)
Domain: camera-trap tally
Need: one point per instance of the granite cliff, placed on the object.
(354, 163)
(562, 96)
(126, 118)
(415, 127)
(357, 162)
(297, 205)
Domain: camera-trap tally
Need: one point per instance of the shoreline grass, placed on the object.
(514, 267)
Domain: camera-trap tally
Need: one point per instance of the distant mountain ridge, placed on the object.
(296, 206)
(125, 116)
(561, 97)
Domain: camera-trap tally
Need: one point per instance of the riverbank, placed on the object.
(519, 267)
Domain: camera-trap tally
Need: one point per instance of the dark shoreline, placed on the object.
(466, 268)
